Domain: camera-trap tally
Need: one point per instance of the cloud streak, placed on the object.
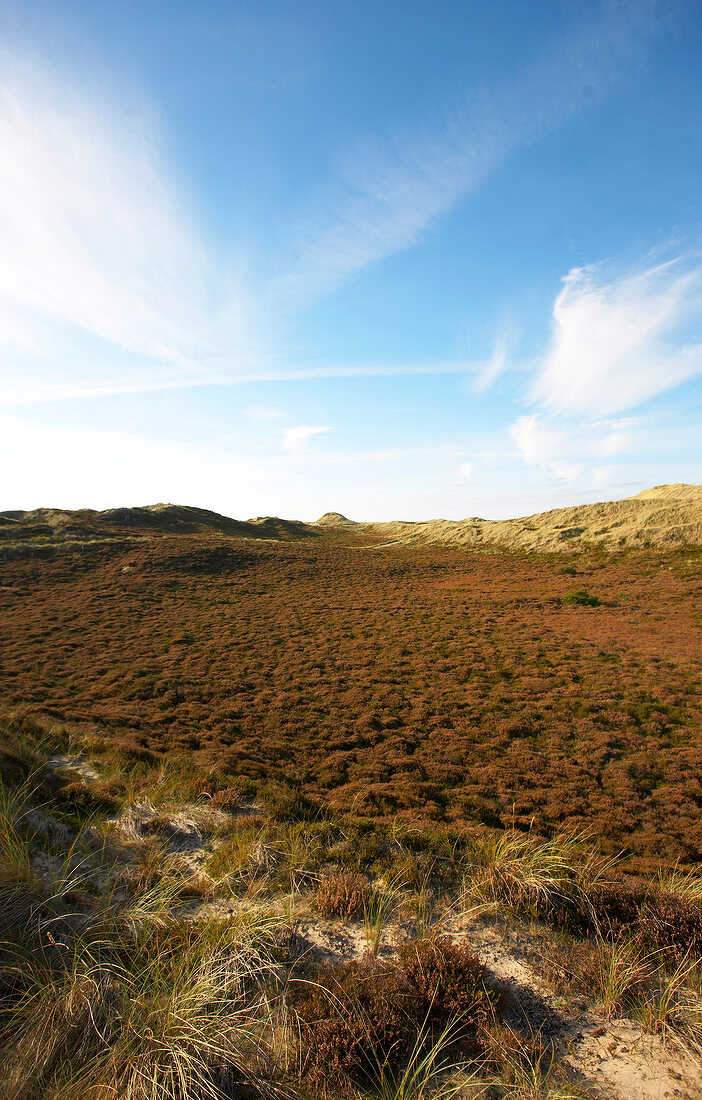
(295, 437)
(386, 193)
(18, 390)
(99, 260)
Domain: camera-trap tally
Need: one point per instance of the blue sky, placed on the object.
(400, 260)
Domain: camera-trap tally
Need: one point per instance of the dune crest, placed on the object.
(665, 516)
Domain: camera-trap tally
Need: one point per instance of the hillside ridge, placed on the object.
(666, 516)
(662, 516)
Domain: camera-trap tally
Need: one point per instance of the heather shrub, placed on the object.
(354, 1014)
(342, 895)
(15, 764)
(362, 1015)
(243, 699)
(83, 800)
(660, 920)
(672, 924)
(615, 907)
(285, 804)
(448, 981)
(226, 798)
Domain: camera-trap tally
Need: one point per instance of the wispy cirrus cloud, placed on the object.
(19, 388)
(387, 191)
(620, 339)
(101, 262)
(295, 437)
(106, 284)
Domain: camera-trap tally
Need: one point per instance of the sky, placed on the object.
(393, 258)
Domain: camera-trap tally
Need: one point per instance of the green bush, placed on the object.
(582, 598)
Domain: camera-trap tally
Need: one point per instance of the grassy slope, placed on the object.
(156, 944)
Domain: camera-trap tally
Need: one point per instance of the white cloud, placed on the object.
(537, 443)
(294, 437)
(565, 448)
(495, 365)
(620, 340)
(104, 282)
(387, 191)
(466, 470)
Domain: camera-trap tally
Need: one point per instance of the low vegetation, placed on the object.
(156, 948)
(305, 819)
(432, 686)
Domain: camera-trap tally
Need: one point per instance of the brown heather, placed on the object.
(361, 1013)
(428, 685)
(342, 895)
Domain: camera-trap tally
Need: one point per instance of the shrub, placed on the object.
(582, 598)
(616, 906)
(662, 921)
(362, 1016)
(568, 570)
(286, 804)
(227, 799)
(343, 895)
(672, 924)
(448, 980)
(356, 1013)
(78, 798)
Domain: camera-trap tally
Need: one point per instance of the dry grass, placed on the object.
(379, 906)
(430, 1070)
(106, 991)
(135, 1005)
(541, 877)
(342, 895)
(523, 1068)
(673, 1008)
(621, 973)
(684, 883)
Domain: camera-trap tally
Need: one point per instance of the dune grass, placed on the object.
(121, 976)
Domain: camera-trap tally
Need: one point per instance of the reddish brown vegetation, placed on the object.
(342, 895)
(362, 1014)
(432, 684)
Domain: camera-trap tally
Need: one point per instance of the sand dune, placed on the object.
(666, 516)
